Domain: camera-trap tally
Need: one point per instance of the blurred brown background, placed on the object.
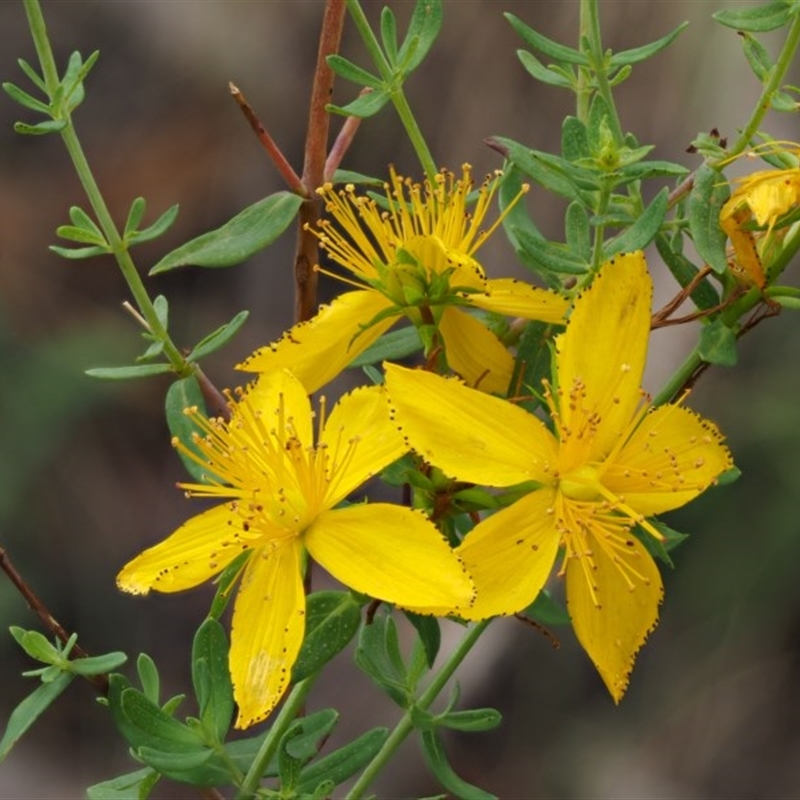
(87, 475)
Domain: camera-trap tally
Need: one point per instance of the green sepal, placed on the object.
(182, 394)
(332, 620)
(392, 346)
(430, 635)
(378, 654)
(661, 550)
(436, 760)
(30, 709)
(343, 763)
(643, 231)
(225, 582)
(717, 344)
(128, 373)
(218, 338)
(765, 17)
(352, 72)
(708, 195)
(238, 239)
(211, 679)
(637, 54)
(730, 476)
(131, 786)
(547, 611)
(554, 50)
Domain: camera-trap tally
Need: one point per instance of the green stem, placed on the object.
(119, 248)
(288, 713)
(392, 85)
(405, 726)
(777, 74)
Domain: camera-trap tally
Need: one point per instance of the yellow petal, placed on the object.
(510, 555)
(318, 350)
(392, 553)
(360, 439)
(672, 457)
(601, 358)
(475, 353)
(470, 435)
(518, 299)
(267, 630)
(613, 595)
(196, 552)
(282, 403)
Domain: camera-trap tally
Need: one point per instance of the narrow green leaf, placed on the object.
(364, 106)
(248, 232)
(545, 610)
(781, 101)
(704, 296)
(638, 54)
(643, 231)
(764, 17)
(131, 786)
(376, 655)
(162, 224)
(182, 394)
(757, 56)
(661, 550)
(332, 620)
(200, 767)
(212, 685)
(352, 72)
(135, 215)
(96, 665)
(546, 257)
(148, 676)
(436, 759)
(288, 766)
(218, 338)
(161, 307)
(577, 232)
(423, 29)
(541, 73)
(554, 50)
(546, 170)
(24, 99)
(471, 720)
(33, 75)
(78, 252)
(155, 728)
(40, 128)
(574, 139)
(718, 344)
(81, 235)
(30, 709)
(708, 195)
(36, 645)
(128, 373)
(225, 583)
(389, 34)
(430, 635)
(391, 346)
(343, 763)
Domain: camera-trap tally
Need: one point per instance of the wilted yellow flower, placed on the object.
(414, 260)
(279, 491)
(610, 463)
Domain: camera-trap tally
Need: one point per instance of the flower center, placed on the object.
(582, 483)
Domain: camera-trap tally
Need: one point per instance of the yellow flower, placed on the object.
(415, 260)
(279, 492)
(611, 463)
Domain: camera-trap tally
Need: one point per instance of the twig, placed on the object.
(343, 141)
(100, 682)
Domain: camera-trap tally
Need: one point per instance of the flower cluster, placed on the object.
(587, 484)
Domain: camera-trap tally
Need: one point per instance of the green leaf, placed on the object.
(24, 99)
(131, 786)
(97, 665)
(30, 709)
(708, 195)
(200, 767)
(352, 72)
(81, 235)
(704, 296)
(389, 34)
(540, 72)
(332, 620)
(79, 252)
(33, 75)
(660, 550)
(391, 346)
(764, 17)
(757, 56)
(546, 170)
(288, 766)
(781, 101)
(135, 216)
(182, 394)
(643, 231)
(638, 54)
(378, 655)
(312, 731)
(40, 128)
(128, 373)
(717, 344)
(574, 139)
(212, 680)
(576, 229)
(430, 635)
(546, 611)
(238, 239)
(423, 29)
(554, 50)
(162, 224)
(365, 105)
(153, 727)
(436, 759)
(225, 583)
(218, 338)
(343, 763)
(36, 645)
(148, 676)
(470, 720)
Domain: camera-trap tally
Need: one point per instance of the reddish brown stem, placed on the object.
(307, 254)
(100, 682)
(342, 144)
(292, 179)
